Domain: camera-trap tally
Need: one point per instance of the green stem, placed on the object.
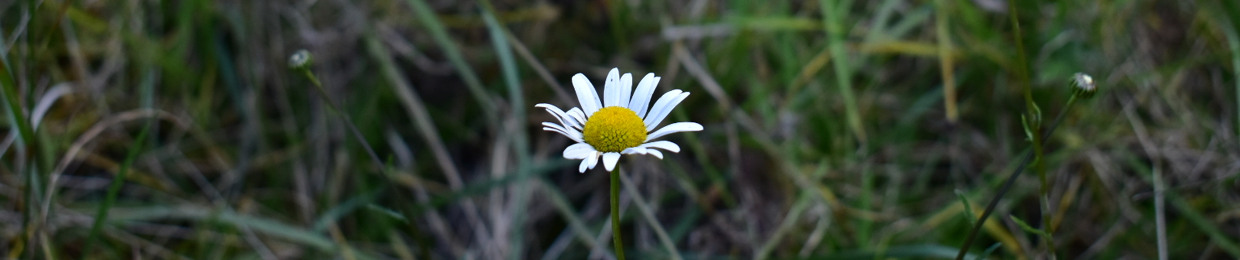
(1046, 200)
(615, 213)
(101, 215)
(1035, 122)
(1007, 185)
(833, 19)
(374, 157)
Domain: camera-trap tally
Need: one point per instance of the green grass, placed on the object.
(834, 129)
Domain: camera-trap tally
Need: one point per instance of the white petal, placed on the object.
(554, 126)
(560, 115)
(576, 114)
(641, 97)
(658, 113)
(674, 128)
(656, 153)
(586, 94)
(626, 89)
(654, 109)
(611, 88)
(593, 159)
(610, 160)
(570, 133)
(665, 145)
(574, 138)
(555, 129)
(634, 150)
(578, 151)
(585, 162)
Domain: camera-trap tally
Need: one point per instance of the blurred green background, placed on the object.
(833, 129)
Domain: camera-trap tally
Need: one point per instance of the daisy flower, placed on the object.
(618, 124)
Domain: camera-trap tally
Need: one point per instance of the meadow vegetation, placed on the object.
(834, 129)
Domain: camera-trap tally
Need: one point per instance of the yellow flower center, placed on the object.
(613, 129)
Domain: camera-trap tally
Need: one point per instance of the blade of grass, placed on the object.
(968, 206)
(539, 69)
(1190, 213)
(865, 202)
(1027, 228)
(508, 67)
(953, 210)
(712, 87)
(926, 251)
(700, 73)
(647, 214)
(114, 189)
(417, 110)
(794, 214)
(267, 226)
(878, 30)
(768, 23)
(485, 186)
(71, 154)
(330, 216)
(1204, 224)
(617, 10)
(428, 18)
(833, 21)
(562, 205)
(399, 246)
(945, 60)
(910, 20)
(1160, 214)
(8, 95)
(1233, 43)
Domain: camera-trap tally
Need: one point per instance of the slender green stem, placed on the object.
(101, 215)
(1034, 122)
(348, 122)
(1233, 43)
(615, 213)
(833, 13)
(1007, 185)
(317, 85)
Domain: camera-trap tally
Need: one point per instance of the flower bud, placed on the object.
(299, 60)
(1083, 85)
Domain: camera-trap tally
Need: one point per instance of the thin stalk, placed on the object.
(945, 60)
(101, 215)
(1007, 185)
(615, 213)
(520, 144)
(10, 96)
(1233, 43)
(1034, 121)
(374, 157)
(647, 213)
(833, 19)
(425, 14)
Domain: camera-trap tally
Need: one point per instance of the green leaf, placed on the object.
(968, 207)
(1027, 228)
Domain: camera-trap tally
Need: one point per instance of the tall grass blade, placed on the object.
(263, 225)
(508, 67)
(833, 21)
(430, 20)
(117, 181)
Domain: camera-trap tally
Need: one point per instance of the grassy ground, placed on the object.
(833, 129)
